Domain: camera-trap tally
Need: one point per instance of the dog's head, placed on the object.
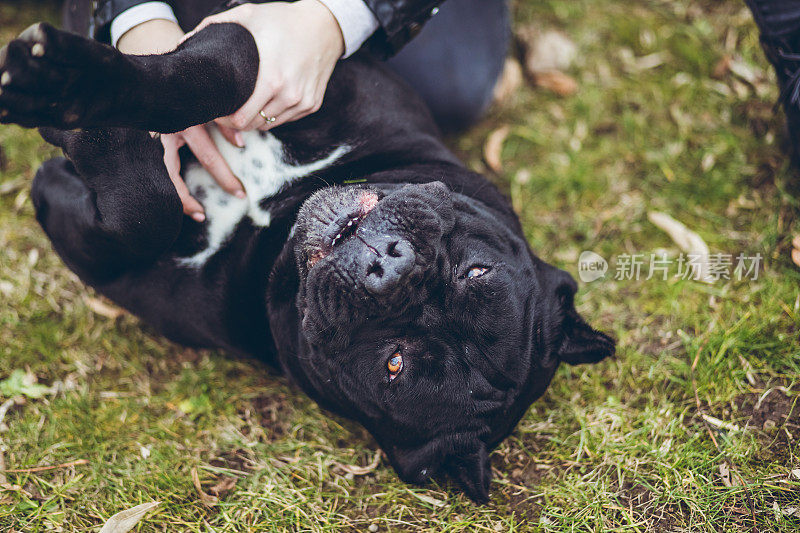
(428, 320)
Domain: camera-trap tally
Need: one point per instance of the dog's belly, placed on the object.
(263, 170)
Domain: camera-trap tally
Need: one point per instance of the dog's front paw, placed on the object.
(51, 78)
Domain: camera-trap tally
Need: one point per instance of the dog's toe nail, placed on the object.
(70, 118)
(37, 50)
(3, 113)
(5, 79)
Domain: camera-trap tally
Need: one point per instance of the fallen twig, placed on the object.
(5, 407)
(206, 499)
(721, 424)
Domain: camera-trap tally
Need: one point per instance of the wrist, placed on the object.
(356, 21)
(323, 21)
(157, 36)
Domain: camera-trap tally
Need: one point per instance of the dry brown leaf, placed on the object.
(796, 250)
(509, 82)
(429, 499)
(725, 474)
(545, 49)
(720, 424)
(223, 486)
(206, 499)
(124, 521)
(362, 470)
(102, 308)
(11, 186)
(649, 61)
(722, 68)
(556, 81)
(743, 71)
(687, 240)
(492, 149)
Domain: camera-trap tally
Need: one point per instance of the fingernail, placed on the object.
(239, 138)
(240, 195)
(198, 217)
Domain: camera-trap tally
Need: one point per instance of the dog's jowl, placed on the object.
(392, 284)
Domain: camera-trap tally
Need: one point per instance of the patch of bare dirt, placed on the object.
(775, 414)
(522, 468)
(273, 413)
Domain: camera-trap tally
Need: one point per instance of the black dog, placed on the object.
(409, 301)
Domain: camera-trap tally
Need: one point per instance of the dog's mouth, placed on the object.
(329, 218)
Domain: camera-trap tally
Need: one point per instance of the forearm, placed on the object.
(152, 37)
(105, 12)
(386, 25)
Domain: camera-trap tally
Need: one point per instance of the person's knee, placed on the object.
(457, 59)
(462, 105)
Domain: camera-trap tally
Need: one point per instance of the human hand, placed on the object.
(298, 44)
(161, 36)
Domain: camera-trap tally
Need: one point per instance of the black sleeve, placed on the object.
(400, 21)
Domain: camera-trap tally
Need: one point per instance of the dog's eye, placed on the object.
(395, 365)
(476, 272)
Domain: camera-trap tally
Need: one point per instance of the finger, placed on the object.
(203, 147)
(226, 122)
(214, 19)
(289, 115)
(232, 135)
(279, 108)
(267, 91)
(191, 206)
(226, 16)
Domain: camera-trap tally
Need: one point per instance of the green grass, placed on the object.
(617, 446)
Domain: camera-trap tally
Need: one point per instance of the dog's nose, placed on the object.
(394, 259)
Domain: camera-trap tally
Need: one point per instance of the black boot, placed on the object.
(784, 54)
(779, 24)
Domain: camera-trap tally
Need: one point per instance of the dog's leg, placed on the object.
(53, 78)
(111, 207)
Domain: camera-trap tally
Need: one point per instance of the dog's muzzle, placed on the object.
(364, 255)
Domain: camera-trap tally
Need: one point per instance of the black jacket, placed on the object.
(400, 20)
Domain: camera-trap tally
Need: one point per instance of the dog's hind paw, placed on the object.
(49, 77)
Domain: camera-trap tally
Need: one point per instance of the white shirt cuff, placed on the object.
(356, 21)
(138, 14)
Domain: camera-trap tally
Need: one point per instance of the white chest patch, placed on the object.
(262, 169)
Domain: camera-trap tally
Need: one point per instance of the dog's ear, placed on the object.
(579, 342)
(464, 458)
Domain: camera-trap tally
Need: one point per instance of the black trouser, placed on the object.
(453, 63)
(776, 18)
